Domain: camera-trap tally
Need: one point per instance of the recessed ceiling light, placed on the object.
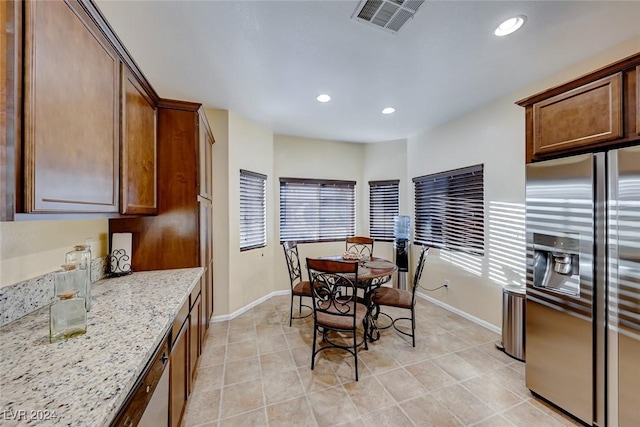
(510, 25)
(323, 98)
(388, 110)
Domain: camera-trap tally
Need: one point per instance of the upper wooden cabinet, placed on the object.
(138, 148)
(587, 115)
(183, 224)
(206, 158)
(595, 110)
(78, 116)
(638, 99)
(71, 106)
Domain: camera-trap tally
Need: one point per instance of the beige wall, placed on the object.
(250, 272)
(32, 248)
(384, 160)
(493, 135)
(295, 157)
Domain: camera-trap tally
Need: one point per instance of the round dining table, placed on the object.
(372, 273)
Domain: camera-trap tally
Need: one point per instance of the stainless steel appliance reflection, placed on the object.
(568, 319)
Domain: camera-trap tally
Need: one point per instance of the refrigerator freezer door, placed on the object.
(559, 325)
(624, 287)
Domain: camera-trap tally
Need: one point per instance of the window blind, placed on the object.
(313, 210)
(383, 206)
(449, 210)
(253, 210)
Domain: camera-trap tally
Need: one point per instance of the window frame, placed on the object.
(381, 228)
(246, 209)
(297, 228)
(460, 211)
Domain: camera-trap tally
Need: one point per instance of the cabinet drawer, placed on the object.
(181, 317)
(584, 116)
(195, 293)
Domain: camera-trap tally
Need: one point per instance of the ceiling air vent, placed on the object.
(390, 15)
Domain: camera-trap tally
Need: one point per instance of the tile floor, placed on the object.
(255, 371)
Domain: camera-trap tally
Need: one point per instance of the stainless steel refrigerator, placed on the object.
(583, 285)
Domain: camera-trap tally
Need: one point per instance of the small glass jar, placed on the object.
(80, 256)
(67, 316)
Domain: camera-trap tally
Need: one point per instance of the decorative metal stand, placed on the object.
(119, 264)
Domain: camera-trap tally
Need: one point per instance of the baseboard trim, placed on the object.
(459, 312)
(491, 327)
(241, 310)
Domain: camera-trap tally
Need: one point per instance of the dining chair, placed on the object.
(336, 307)
(300, 288)
(362, 245)
(392, 297)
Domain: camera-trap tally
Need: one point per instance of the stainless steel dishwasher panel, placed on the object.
(156, 414)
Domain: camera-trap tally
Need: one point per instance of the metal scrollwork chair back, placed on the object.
(361, 245)
(400, 298)
(300, 288)
(336, 307)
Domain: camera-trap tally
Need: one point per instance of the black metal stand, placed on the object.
(119, 264)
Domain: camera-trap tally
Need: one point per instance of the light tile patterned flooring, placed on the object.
(255, 371)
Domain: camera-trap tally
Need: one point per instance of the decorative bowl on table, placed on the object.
(352, 256)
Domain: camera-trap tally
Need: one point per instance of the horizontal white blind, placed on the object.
(383, 206)
(449, 210)
(313, 210)
(253, 210)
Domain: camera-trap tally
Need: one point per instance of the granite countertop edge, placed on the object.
(86, 379)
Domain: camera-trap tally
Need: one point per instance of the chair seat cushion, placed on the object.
(302, 288)
(340, 321)
(392, 297)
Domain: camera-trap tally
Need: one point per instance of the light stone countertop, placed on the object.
(83, 381)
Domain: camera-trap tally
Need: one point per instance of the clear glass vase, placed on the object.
(80, 258)
(67, 316)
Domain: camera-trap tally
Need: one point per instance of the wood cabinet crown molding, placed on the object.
(101, 22)
(597, 110)
(624, 64)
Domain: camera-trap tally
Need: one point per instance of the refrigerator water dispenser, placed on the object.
(556, 264)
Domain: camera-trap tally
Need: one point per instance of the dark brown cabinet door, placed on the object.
(194, 340)
(179, 376)
(206, 158)
(5, 191)
(638, 99)
(138, 148)
(580, 117)
(71, 103)
(206, 257)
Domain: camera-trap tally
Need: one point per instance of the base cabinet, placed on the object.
(194, 340)
(187, 334)
(178, 391)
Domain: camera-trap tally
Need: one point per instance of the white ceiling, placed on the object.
(268, 60)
